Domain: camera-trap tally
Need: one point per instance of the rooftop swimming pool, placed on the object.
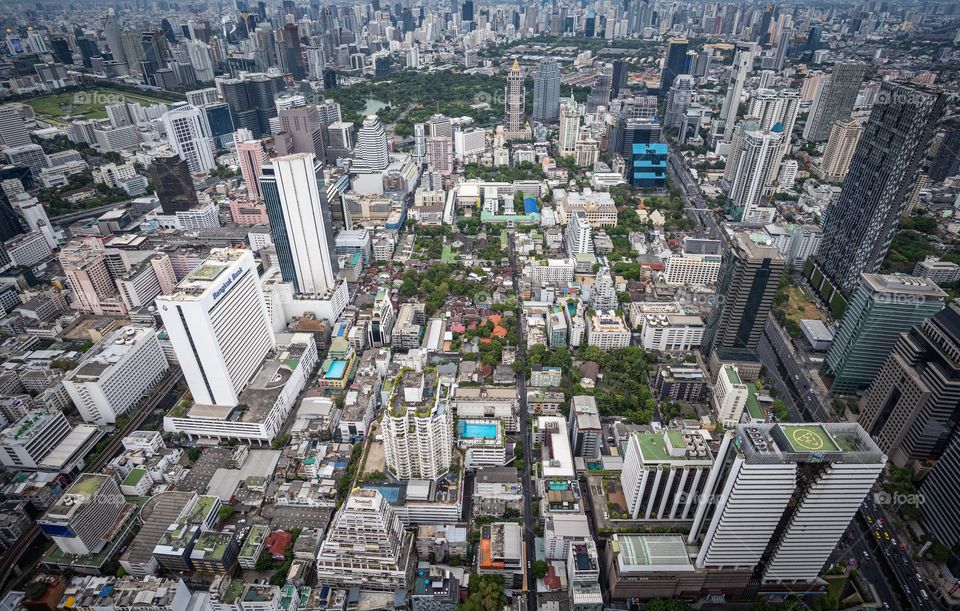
(476, 430)
(335, 370)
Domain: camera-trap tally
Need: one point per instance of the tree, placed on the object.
(194, 454)
(667, 604)
(539, 569)
(486, 594)
(225, 512)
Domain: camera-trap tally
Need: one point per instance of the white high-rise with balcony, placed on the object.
(189, 137)
(417, 427)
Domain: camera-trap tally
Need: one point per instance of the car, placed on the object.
(869, 520)
(876, 534)
(866, 556)
(923, 593)
(886, 535)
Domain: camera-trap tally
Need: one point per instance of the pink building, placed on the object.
(253, 155)
(440, 154)
(248, 211)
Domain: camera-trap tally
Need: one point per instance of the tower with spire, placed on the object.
(515, 97)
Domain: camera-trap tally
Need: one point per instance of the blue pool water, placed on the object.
(336, 369)
(474, 430)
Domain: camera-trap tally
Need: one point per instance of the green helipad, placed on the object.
(809, 438)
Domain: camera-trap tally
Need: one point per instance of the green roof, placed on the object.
(753, 406)
(135, 476)
(214, 543)
(254, 539)
(732, 375)
(652, 446)
(87, 484)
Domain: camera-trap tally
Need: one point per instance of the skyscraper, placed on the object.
(371, 150)
(514, 100)
(113, 34)
(440, 154)
(546, 91)
(251, 102)
(252, 156)
(13, 129)
(755, 161)
(835, 163)
(173, 183)
(305, 129)
(292, 56)
(675, 63)
(860, 225)
(781, 496)
(742, 64)
(569, 129)
(366, 545)
(911, 407)
(296, 200)
(749, 278)
(678, 101)
(835, 100)
(600, 93)
(186, 129)
(772, 106)
(417, 427)
(219, 327)
(947, 160)
(880, 308)
(941, 514)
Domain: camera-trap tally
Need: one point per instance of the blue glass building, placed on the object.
(648, 165)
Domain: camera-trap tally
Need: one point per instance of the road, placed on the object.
(528, 521)
(79, 215)
(697, 207)
(791, 379)
(159, 397)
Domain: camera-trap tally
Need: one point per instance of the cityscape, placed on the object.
(463, 305)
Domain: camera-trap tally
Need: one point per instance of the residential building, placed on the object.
(841, 145)
(606, 330)
(586, 432)
(834, 101)
(514, 101)
(730, 396)
(937, 271)
(665, 474)
(186, 131)
(417, 427)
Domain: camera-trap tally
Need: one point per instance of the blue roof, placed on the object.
(778, 128)
(646, 148)
(530, 205)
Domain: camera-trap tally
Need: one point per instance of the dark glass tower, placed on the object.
(676, 63)
(174, 186)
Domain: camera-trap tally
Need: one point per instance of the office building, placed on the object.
(946, 162)
(600, 92)
(366, 546)
(936, 270)
(28, 155)
(757, 158)
(440, 154)
(27, 249)
(748, 281)
(469, 142)
(114, 375)
(586, 432)
(305, 129)
(911, 407)
(217, 322)
(664, 474)
(81, 521)
(941, 513)
(252, 156)
(678, 101)
(780, 496)
(292, 57)
(730, 396)
(417, 427)
(843, 141)
(186, 130)
(546, 91)
(173, 183)
(648, 165)
(251, 101)
(834, 101)
(371, 151)
(91, 270)
(25, 443)
(514, 101)
(696, 265)
(300, 222)
(860, 225)
(666, 327)
(675, 64)
(881, 307)
(607, 330)
(13, 129)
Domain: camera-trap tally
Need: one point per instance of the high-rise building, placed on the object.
(514, 101)
(218, 324)
(80, 522)
(664, 474)
(186, 129)
(173, 182)
(113, 34)
(780, 496)
(419, 142)
(600, 92)
(366, 546)
(749, 278)
(844, 137)
(306, 130)
(946, 162)
(91, 270)
(742, 64)
(292, 56)
(860, 225)
(440, 154)
(296, 200)
(579, 235)
(371, 151)
(27, 441)
(251, 101)
(13, 129)
(756, 157)
(773, 106)
(881, 307)
(569, 129)
(546, 91)
(417, 427)
(252, 156)
(834, 101)
(911, 407)
(619, 78)
(678, 101)
(675, 63)
(941, 513)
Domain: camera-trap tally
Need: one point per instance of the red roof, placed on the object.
(277, 542)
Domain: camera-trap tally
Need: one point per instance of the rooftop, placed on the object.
(810, 442)
(651, 552)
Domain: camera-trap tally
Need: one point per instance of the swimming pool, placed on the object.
(475, 430)
(336, 369)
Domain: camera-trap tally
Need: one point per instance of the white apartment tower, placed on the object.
(371, 150)
(300, 222)
(579, 236)
(218, 325)
(189, 137)
(417, 427)
(758, 159)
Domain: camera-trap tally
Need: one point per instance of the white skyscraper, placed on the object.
(371, 150)
(781, 495)
(742, 64)
(417, 427)
(187, 134)
(419, 142)
(569, 129)
(755, 162)
(295, 196)
(218, 325)
(199, 54)
(579, 236)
